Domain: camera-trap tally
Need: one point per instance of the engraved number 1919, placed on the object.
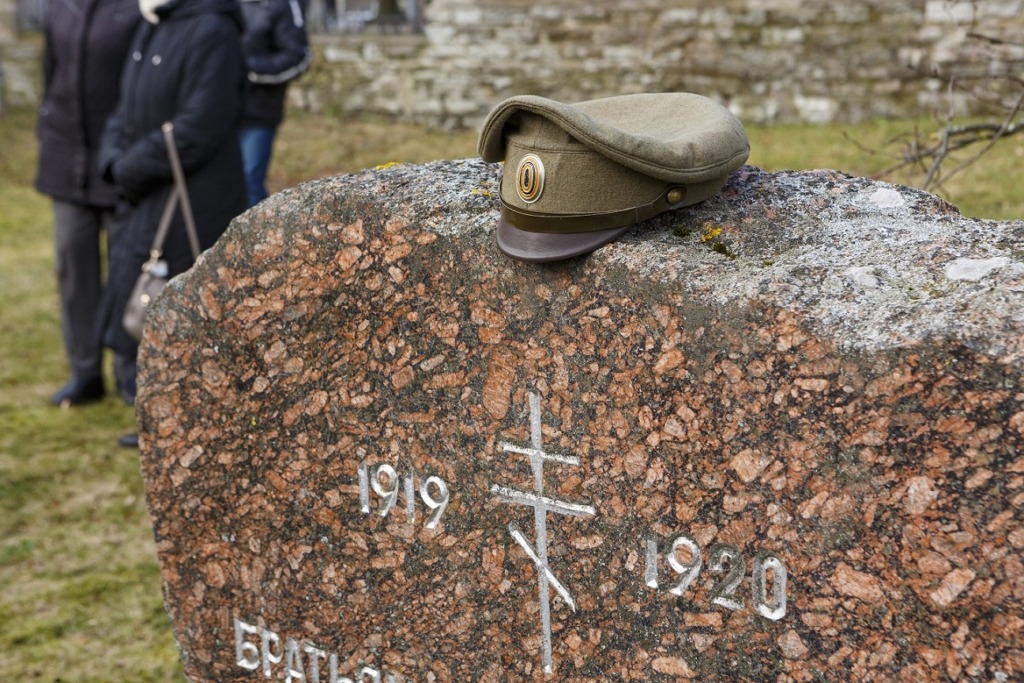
(386, 483)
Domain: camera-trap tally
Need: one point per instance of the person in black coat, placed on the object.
(86, 42)
(276, 52)
(185, 66)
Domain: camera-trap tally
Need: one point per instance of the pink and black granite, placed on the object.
(810, 371)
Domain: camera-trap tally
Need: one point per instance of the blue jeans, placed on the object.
(257, 145)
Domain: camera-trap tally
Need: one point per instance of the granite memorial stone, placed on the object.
(778, 435)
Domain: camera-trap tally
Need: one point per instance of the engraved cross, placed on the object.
(541, 505)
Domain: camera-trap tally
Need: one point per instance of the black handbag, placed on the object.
(154, 275)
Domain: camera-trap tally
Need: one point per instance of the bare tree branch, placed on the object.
(992, 39)
(974, 134)
(1003, 93)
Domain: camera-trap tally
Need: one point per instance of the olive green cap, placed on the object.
(577, 176)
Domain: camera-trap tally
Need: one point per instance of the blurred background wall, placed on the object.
(447, 62)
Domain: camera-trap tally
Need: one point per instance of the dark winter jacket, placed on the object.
(187, 69)
(276, 51)
(86, 45)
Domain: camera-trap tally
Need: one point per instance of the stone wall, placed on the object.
(19, 60)
(8, 20)
(771, 60)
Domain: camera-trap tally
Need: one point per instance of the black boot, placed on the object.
(79, 391)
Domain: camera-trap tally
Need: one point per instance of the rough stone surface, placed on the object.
(809, 371)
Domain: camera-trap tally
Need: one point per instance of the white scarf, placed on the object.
(149, 7)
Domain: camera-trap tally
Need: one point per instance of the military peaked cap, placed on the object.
(578, 176)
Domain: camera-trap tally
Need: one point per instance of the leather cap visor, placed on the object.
(540, 247)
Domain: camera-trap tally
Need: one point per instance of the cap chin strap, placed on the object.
(568, 223)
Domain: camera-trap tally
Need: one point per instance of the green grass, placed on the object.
(79, 582)
(987, 189)
(80, 590)
(311, 146)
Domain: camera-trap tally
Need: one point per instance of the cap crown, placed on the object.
(679, 137)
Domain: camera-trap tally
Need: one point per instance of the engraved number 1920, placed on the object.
(728, 560)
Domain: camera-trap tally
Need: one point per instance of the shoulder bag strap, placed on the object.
(157, 250)
(182, 190)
